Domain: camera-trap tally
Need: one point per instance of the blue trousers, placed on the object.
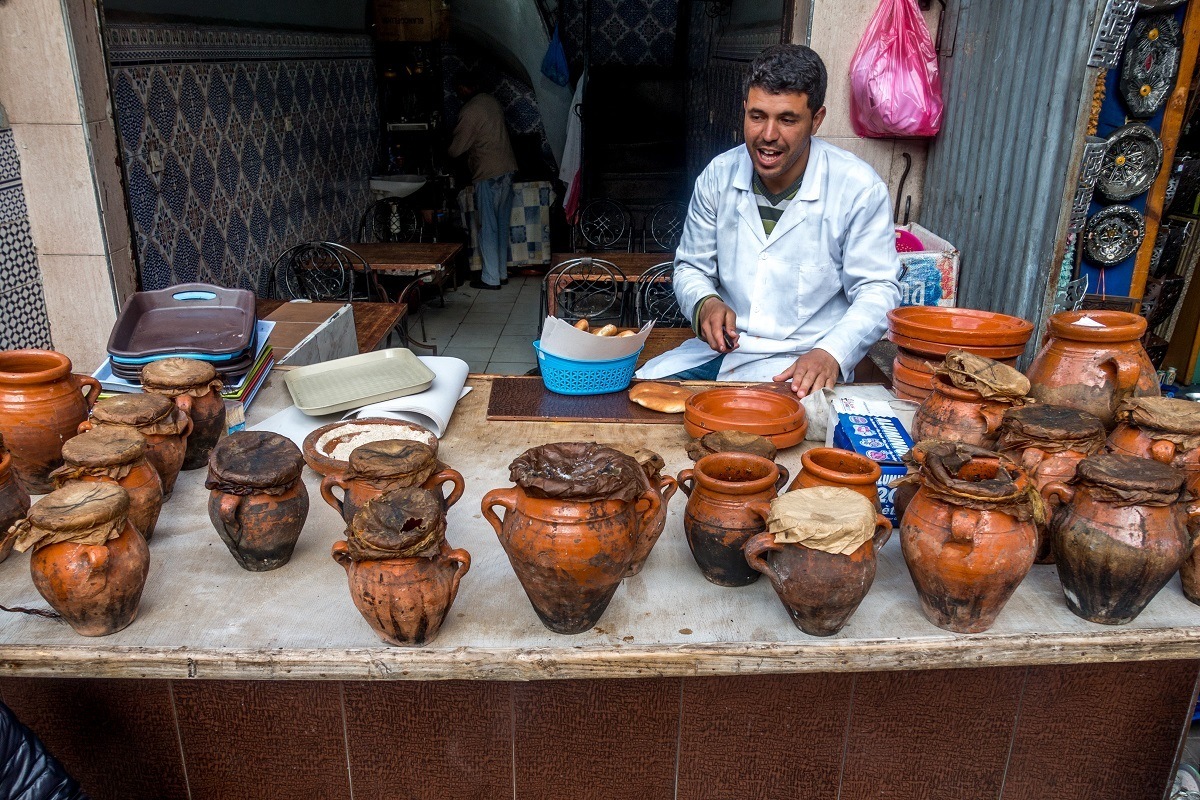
(493, 208)
(707, 371)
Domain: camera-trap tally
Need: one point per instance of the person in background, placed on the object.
(483, 137)
(27, 771)
(787, 263)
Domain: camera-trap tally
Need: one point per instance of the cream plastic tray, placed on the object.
(355, 381)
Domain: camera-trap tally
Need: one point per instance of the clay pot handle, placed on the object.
(327, 484)
(187, 430)
(341, 554)
(755, 546)
(1127, 372)
(784, 476)
(464, 564)
(962, 526)
(84, 426)
(97, 558)
(1031, 457)
(1163, 451)
(686, 481)
(667, 486)
(93, 389)
(498, 497)
(227, 510)
(451, 475)
(1193, 522)
(993, 415)
(1057, 490)
(883, 532)
(760, 507)
(184, 403)
(654, 502)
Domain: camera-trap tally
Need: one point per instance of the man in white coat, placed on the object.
(787, 263)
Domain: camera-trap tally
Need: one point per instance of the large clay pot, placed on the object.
(966, 562)
(94, 579)
(820, 590)
(570, 555)
(165, 428)
(958, 415)
(652, 465)
(1122, 537)
(404, 600)
(1163, 429)
(717, 521)
(116, 455)
(40, 408)
(1093, 368)
(257, 502)
(14, 500)
(380, 467)
(830, 466)
(195, 388)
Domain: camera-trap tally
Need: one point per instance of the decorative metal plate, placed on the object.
(1159, 5)
(1150, 64)
(1113, 235)
(1131, 162)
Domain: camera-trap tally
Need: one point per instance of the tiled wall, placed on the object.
(714, 106)
(265, 139)
(23, 319)
(633, 33)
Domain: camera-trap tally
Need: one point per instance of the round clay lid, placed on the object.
(732, 442)
(392, 457)
(132, 409)
(104, 446)
(80, 505)
(1039, 421)
(1129, 473)
(177, 373)
(402, 522)
(256, 459)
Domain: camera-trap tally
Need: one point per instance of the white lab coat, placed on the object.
(826, 277)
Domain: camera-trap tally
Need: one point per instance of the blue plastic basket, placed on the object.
(568, 376)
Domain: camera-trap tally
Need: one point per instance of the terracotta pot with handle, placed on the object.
(958, 415)
(195, 388)
(652, 465)
(116, 455)
(14, 500)
(379, 467)
(41, 406)
(1164, 429)
(831, 466)
(165, 428)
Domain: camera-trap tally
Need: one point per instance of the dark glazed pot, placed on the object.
(380, 467)
(718, 521)
(14, 501)
(820, 590)
(258, 503)
(195, 388)
(116, 455)
(830, 466)
(1164, 429)
(570, 555)
(958, 415)
(165, 428)
(40, 408)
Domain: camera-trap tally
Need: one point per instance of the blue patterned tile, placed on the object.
(173, 184)
(18, 260)
(236, 237)
(161, 107)
(23, 318)
(203, 178)
(12, 203)
(185, 261)
(191, 101)
(212, 247)
(10, 161)
(218, 96)
(243, 94)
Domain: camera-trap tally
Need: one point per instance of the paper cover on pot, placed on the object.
(827, 518)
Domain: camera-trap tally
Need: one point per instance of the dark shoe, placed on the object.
(504, 281)
(476, 283)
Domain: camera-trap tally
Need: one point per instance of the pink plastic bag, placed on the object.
(894, 85)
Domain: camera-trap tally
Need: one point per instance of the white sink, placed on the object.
(397, 185)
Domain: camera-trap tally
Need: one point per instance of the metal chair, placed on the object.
(390, 220)
(584, 288)
(603, 225)
(323, 271)
(411, 296)
(665, 227)
(654, 298)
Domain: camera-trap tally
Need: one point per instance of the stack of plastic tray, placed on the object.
(192, 320)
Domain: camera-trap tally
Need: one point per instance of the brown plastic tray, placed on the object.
(188, 318)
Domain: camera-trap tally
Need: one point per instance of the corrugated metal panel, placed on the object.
(997, 173)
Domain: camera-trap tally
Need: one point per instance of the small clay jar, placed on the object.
(819, 589)
(1093, 367)
(14, 500)
(652, 465)
(88, 562)
(1161, 428)
(829, 466)
(195, 388)
(717, 521)
(258, 503)
(968, 535)
(380, 467)
(164, 426)
(1124, 534)
(116, 455)
(40, 408)
(958, 415)
(403, 575)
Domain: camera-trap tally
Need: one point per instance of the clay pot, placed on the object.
(116, 455)
(14, 500)
(40, 408)
(773, 414)
(958, 415)
(94, 579)
(1093, 368)
(257, 503)
(938, 350)
(1173, 440)
(195, 388)
(570, 555)
(1123, 535)
(717, 521)
(405, 600)
(918, 378)
(380, 467)
(966, 562)
(820, 590)
(829, 466)
(652, 465)
(164, 426)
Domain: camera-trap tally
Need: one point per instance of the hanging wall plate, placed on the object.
(1113, 235)
(1150, 63)
(1159, 5)
(1131, 162)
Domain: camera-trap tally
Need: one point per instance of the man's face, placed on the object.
(778, 128)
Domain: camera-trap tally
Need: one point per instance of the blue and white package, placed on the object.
(871, 428)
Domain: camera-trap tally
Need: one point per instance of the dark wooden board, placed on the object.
(526, 399)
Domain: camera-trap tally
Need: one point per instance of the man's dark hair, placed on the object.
(789, 68)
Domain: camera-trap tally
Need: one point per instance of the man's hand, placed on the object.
(718, 325)
(814, 370)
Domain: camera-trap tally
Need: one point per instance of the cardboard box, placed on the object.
(871, 428)
(309, 333)
(929, 277)
(411, 20)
